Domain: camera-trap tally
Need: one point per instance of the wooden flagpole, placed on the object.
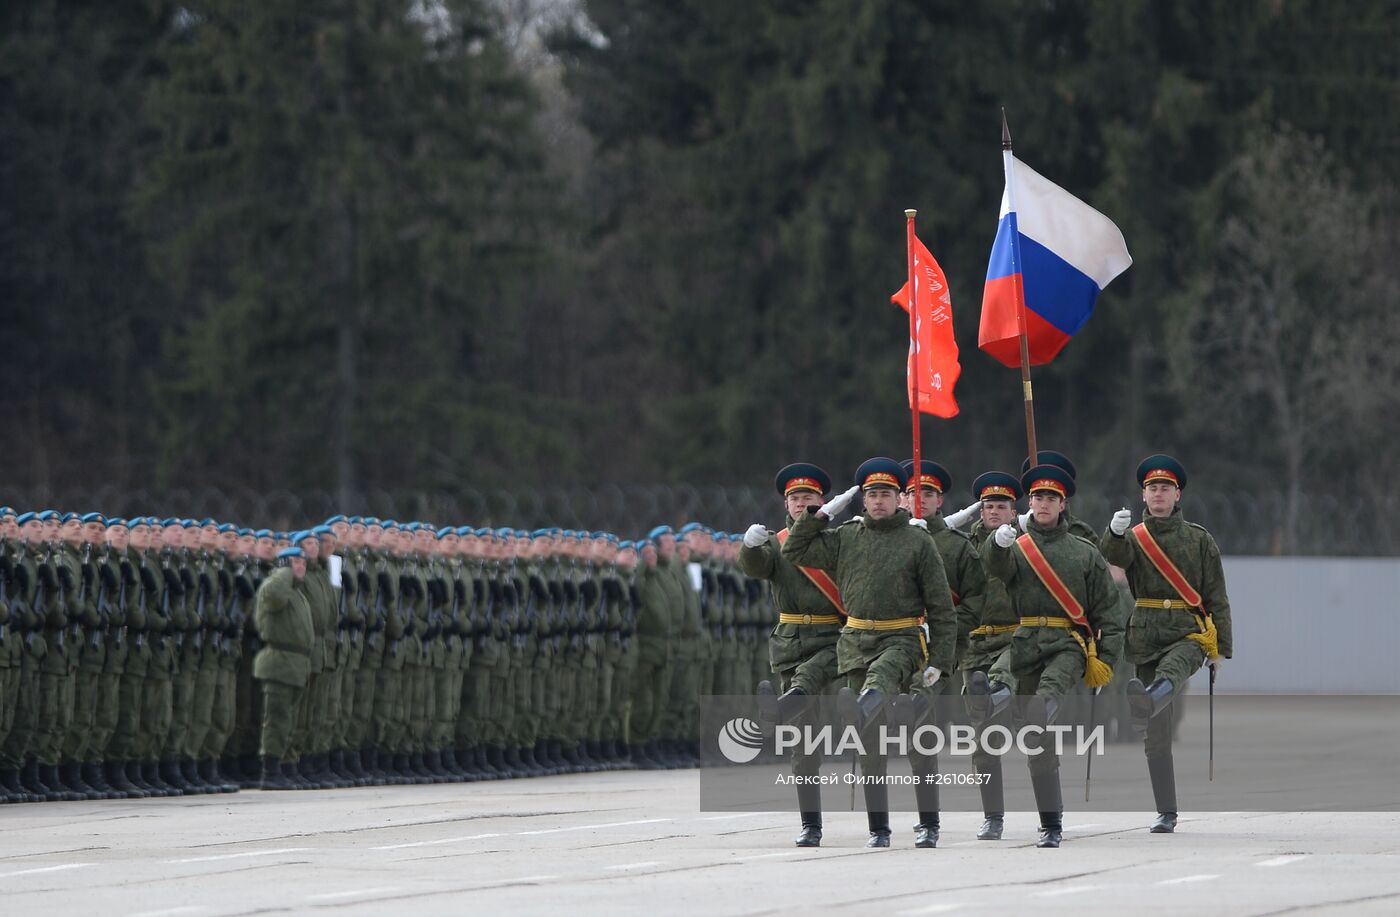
(1008, 164)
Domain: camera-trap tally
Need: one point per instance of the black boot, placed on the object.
(274, 776)
(150, 772)
(1145, 703)
(879, 829)
(93, 777)
(1163, 776)
(809, 803)
(985, 698)
(10, 787)
(73, 778)
(908, 710)
(368, 760)
(209, 771)
(53, 776)
(120, 783)
(926, 795)
(136, 778)
(993, 804)
(33, 779)
(292, 771)
(169, 771)
(1048, 802)
(189, 769)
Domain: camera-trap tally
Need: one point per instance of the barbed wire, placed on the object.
(1242, 523)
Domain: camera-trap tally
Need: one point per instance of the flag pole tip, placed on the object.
(1005, 131)
(910, 213)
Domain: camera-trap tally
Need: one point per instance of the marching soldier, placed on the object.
(997, 493)
(1069, 629)
(1182, 615)
(892, 582)
(967, 582)
(802, 647)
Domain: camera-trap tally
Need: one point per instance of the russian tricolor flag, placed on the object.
(1068, 252)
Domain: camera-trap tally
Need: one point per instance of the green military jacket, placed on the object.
(885, 569)
(1152, 631)
(966, 578)
(661, 607)
(1084, 572)
(288, 633)
(789, 645)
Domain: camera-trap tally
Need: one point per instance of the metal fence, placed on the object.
(1243, 524)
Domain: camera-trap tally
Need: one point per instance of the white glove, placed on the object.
(963, 516)
(837, 504)
(931, 676)
(921, 523)
(857, 518)
(756, 536)
(1217, 663)
(1120, 521)
(1005, 536)
(1022, 519)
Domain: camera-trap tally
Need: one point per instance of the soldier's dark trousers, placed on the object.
(281, 704)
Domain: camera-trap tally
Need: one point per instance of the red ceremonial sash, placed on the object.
(1164, 566)
(1052, 582)
(820, 578)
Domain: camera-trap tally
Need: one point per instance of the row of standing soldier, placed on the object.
(129, 653)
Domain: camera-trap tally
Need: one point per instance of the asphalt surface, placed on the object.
(637, 843)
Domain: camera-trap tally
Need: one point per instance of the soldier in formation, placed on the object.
(156, 657)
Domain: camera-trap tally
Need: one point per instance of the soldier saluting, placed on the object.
(892, 582)
(802, 647)
(1069, 628)
(1181, 617)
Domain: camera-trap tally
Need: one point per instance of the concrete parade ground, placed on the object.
(637, 843)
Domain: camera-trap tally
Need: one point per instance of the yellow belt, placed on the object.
(786, 618)
(1046, 621)
(1165, 604)
(891, 624)
(987, 630)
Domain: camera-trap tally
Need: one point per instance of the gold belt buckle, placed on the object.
(1167, 603)
(807, 619)
(1042, 621)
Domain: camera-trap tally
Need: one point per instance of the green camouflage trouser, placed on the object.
(360, 733)
(156, 712)
(281, 704)
(184, 684)
(201, 720)
(82, 729)
(22, 709)
(389, 713)
(55, 715)
(650, 686)
(126, 738)
(222, 712)
(1177, 665)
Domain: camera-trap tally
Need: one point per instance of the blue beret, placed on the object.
(26, 517)
(539, 533)
(445, 531)
(660, 530)
(6, 511)
(1049, 457)
(46, 515)
(228, 527)
(690, 527)
(242, 532)
(334, 519)
(170, 520)
(66, 517)
(372, 520)
(464, 530)
(322, 530)
(996, 485)
(1053, 478)
(1161, 468)
(263, 533)
(881, 472)
(626, 546)
(188, 523)
(115, 522)
(92, 517)
(934, 475)
(290, 552)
